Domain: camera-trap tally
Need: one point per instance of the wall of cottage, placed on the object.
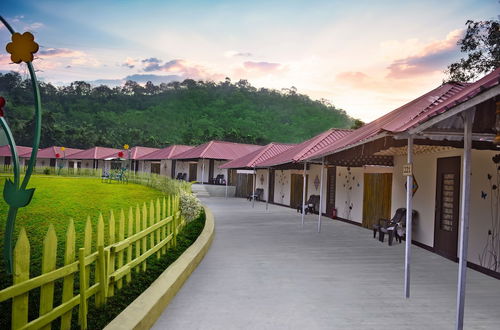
(483, 198)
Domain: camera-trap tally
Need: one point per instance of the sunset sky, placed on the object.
(366, 57)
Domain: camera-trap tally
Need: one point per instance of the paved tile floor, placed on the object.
(264, 271)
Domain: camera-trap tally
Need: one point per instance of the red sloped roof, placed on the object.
(490, 80)
(218, 150)
(166, 153)
(95, 153)
(254, 158)
(5, 151)
(138, 152)
(299, 151)
(51, 152)
(393, 120)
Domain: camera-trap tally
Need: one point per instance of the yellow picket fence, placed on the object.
(131, 240)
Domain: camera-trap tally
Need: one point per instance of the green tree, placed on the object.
(481, 44)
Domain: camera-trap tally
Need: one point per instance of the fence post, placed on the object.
(121, 237)
(21, 274)
(100, 297)
(152, 222)
(83, 289)
(145, 239)
(165, 228)
(169, 225)
(130, 232)
(159, 231)
(48, 265)
(69, 257)
(137, 229)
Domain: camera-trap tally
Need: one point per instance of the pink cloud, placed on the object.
(435, 56)
(262, 66)
(355, 78)
(59, 52)
(181, 68)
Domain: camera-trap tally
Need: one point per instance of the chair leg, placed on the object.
(380, 235)
(391, 236)
(374, 232)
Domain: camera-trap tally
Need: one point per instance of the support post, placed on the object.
(254, 187)
(202, 170)
(227, 181)
(321, 193)
(268, 190)
(304, 193)
(409, 213)
(464, 217)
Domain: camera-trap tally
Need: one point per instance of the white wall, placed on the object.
(262, 181)
(349, 193)
(424, 201)
(282, 187)
(313, 173)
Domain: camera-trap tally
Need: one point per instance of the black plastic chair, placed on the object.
(257, 195)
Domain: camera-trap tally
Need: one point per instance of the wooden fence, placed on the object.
(131, 240)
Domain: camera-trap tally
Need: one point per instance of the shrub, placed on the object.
(190, 206)
(46, 171)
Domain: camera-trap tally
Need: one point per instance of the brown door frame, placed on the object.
(271, 182)
(445, 242)
(331, 182)
(193, 165)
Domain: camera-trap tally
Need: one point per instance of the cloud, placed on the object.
(433, 57)
(151, 60)
(129, 63)
(353, 78)
(34, 26)
(267, 67)
(181, 68)
(232, 53)
(60, 52)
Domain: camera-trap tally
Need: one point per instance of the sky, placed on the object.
(366, 57)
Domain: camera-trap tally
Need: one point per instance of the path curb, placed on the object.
(143, 312)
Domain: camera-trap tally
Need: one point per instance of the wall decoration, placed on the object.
(348, 185)
(262, 179)
(490, 256)
(414, 186)
(316, 182)
(283, 182)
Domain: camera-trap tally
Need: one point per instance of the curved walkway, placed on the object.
(264, 271)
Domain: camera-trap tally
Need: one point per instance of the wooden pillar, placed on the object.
(254, 186)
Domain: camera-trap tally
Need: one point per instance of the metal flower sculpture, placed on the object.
(15, 193)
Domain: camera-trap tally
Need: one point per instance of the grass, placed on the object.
(57, 199)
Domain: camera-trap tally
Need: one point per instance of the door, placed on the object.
(447, 207)
(155, 168)
(210, 170)
(296, 189)
(193, 168)
(52, 162)
(331, 181)
(244, 184)
(172, 170)
(271, 186)
(376, 198)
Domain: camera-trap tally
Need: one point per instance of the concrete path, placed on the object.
(264, 271)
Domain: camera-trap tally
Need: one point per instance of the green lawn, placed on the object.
(57, 199)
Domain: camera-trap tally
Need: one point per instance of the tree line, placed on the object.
(189, 112)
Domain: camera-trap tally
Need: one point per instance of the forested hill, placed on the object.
(188, 112)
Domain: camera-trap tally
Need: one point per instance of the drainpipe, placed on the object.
(321, 194)
(464, 217)
(409, 211)
(304, 193)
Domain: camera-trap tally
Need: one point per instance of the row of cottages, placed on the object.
(161, 161)
(6, 155)
(203, 163)
(359, 174)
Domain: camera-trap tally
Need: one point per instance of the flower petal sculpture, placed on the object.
(15, 193)
(2, 104)
(120, 154)
(22, 47)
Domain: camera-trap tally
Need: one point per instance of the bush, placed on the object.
(46, 171)
(190, 206)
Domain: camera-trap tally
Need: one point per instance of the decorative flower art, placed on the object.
(58, 155)
(2, 104)
(120, 154)
(22, 47)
